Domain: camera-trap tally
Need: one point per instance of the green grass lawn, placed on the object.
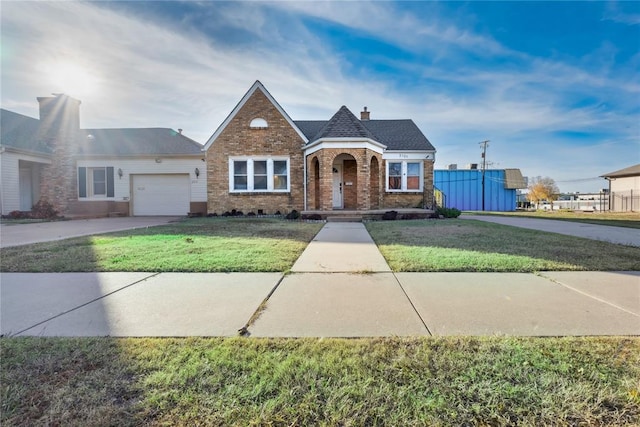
(394, 381)
(467, 245)
(616, 219)
(193, 245)
(273, 245)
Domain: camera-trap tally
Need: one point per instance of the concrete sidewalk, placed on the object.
(605, 233)
(334, 292)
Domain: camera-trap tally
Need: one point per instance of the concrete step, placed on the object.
(344, 218)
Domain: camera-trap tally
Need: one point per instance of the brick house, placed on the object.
(96, 172)
(260, 160)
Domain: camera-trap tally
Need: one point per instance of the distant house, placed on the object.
(624, 189)
(260, 160)
(96, 172)
(463, 188)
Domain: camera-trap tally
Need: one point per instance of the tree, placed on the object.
(542, 189)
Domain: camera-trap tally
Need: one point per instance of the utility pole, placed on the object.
(484, 165)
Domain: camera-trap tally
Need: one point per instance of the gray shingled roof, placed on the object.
(21, 132)
(395, 134)
(131, 141)
(343, 124)
(630, 171)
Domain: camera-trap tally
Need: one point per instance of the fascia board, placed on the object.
(46, 158)
(344, 143)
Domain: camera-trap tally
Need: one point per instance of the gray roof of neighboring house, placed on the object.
(630, 171)
(395, 134)
(21, 132)
(131, 141)
(513, 179)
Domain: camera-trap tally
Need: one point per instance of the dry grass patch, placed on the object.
(362, 382)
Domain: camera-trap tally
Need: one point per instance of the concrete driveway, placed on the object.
(24, 234)
(605, 233)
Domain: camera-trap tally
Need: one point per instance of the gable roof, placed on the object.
(21, 132)
(630, 171)
(256, 86)
(136, 141)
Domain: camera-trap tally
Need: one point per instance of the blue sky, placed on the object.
(555, 86)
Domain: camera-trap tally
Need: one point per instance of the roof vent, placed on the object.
(180, 131)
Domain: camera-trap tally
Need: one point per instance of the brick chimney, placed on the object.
(58, 113)
(59, 129)
(364, 115)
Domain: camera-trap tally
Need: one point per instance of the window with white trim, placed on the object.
(258, 174)
(404, 176)
(95, 182)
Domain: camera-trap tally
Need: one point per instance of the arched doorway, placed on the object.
(345, 182)
(374, 183)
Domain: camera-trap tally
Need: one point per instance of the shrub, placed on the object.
(312, 217)
(448, 212)
(390, 215)
(294, 214)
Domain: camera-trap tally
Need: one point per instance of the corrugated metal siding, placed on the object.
(462, 189)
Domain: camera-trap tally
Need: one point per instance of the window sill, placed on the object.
(258, 193)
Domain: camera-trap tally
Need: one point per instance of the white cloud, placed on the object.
(158, 73)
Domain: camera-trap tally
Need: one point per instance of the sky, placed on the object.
(554, 86)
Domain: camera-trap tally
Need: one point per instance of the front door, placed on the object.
(26, 200)
(337, 186)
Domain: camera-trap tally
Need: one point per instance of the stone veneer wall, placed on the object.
(238, 139)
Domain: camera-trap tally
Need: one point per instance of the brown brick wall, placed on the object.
(375, 183)
(350, 192)
(238, 139)
(97, 208)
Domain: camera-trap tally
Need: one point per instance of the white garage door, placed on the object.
(161, 194)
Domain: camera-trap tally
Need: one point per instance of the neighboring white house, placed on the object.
(97, 172)
(624, 189)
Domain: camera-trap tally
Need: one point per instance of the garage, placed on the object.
(161, 194)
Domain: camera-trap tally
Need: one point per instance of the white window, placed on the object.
(98, 182)
(95, 182)
(404, 176)
(258, 174)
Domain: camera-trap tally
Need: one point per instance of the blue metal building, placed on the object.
(462, 188)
